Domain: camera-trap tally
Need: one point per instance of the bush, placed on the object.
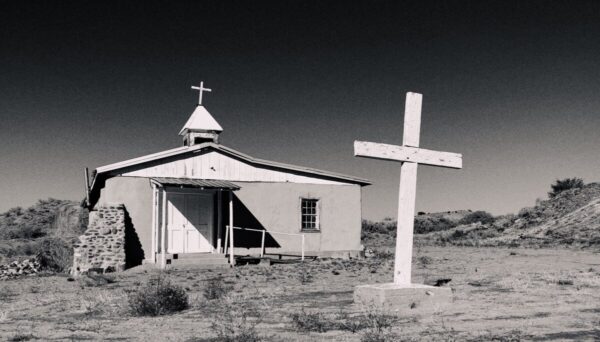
(428, 224)
(158, 297)
(565, 184)
(237, 318)
(304, 274)
(477, 216)
(378, 327)
(216, 288)
(306, 321)
(55, 255)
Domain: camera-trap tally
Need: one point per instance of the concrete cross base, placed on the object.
(412, 299)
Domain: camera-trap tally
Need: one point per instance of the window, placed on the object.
(310, 214)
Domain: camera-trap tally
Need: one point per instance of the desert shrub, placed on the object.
(21, 337)
(425, 260)
(528, 212)
(237, 317)
(55, 255)
(459, 233)
(428, 224)
(346, 322)
(565, 184)
(378, 327)
(380, 254)
(158, 297)
(96, 280)
(304, 274)
(311, 321)
(216, 288)
(387, 226)
(477, 216)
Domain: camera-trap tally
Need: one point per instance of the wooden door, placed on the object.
(199, 230)
(190, 223)
(176, 222)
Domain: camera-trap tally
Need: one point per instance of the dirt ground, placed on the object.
(499, 294)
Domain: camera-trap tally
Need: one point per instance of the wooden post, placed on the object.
(163, 245)
(302, 247)
(262, 244)
(87, 186)
(231, 256)
(225, 243)
(219, 220)
(154, 230)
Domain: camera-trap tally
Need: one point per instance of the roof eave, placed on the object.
(252, 160)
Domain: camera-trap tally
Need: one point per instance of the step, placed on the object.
(188, 265)
(203, 261)
(177, 256)
(198, 256)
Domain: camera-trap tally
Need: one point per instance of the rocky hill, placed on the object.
(44, 227)
(571, 218)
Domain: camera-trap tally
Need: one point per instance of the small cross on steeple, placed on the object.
(200, 90)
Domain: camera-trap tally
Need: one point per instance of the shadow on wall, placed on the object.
(243, 218)
(134, 254)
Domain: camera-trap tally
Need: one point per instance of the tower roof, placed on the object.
(201, 120)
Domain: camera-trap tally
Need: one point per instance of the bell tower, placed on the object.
(201, 127)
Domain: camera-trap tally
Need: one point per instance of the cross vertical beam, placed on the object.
(412, 119)
(407, 192)
(201, 89)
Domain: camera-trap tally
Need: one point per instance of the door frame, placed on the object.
(191, 191)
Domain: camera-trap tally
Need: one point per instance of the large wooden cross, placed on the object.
(201, 89)
(410, 155)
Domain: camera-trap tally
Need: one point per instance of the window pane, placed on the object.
(308, 213)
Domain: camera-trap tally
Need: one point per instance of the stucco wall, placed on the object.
(276, 207)
(136, 194)
(260, 205)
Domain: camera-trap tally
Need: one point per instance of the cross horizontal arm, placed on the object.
(407, 154)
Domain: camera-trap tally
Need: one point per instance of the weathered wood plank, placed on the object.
(407, 154)
(214, 165)
(412, 119)
(406, 212)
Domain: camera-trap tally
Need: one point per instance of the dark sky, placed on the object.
(514, 86)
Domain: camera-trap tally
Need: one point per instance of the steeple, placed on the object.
(201, 126)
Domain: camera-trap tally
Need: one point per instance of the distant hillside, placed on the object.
(571, 218)
(51, 222)
(424, 223)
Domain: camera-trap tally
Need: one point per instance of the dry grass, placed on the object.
(497, 297)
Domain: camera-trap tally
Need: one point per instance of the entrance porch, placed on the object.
(188, 219)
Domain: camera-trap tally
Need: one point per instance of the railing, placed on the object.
(262, 243)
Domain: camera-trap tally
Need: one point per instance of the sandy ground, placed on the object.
(499, 294)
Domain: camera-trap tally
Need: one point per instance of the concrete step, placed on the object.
(222, 261)
(197, 266)
(198, 256)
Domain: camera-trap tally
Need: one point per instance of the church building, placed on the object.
(203, 198)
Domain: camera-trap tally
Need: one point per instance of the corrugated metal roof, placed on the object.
(196, 183)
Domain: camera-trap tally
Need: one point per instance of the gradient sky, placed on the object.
(513, 86)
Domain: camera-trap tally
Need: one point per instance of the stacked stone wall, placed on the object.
(102, 247)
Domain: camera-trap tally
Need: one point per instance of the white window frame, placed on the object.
(317, 215)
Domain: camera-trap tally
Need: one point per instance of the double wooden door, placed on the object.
(190, 223)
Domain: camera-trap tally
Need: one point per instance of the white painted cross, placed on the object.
(200, 90)
(410, 155)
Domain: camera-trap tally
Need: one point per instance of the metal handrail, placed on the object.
(262, 244)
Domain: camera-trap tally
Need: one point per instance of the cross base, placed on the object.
(409, 299)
